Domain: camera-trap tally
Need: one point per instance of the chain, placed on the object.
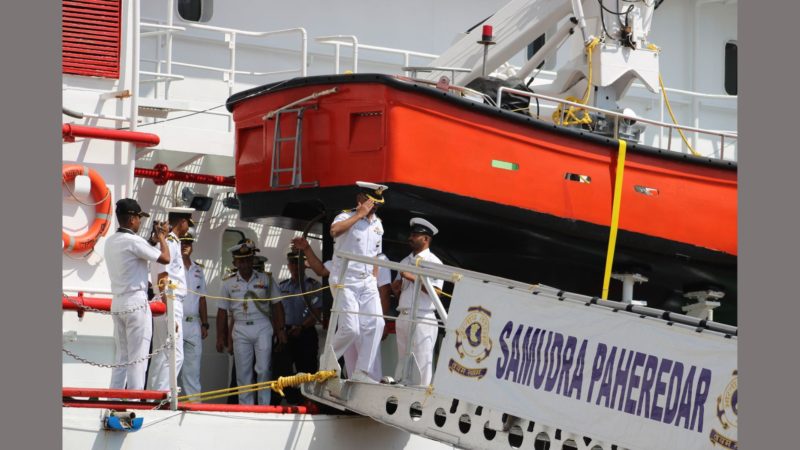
(101, 311)
(166, 345)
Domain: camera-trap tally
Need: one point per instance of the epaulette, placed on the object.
(228, 277)
(170, 238)
(348, 210)
(198, 263)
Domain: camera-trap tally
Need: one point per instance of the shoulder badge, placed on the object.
(198, 263)
(348, 210)
(228, 277)
(171, 238)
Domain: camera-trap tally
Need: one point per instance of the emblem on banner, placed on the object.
(473, 342)
(727, 414)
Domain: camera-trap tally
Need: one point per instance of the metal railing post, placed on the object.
(413, 328)
(336, 61)
(232, 75)
(170, 22)
(303, 53)
(355, 55)
(437, 302)
(173, 348)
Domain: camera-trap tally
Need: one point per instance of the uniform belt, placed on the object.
(359, 275)
(250, 322)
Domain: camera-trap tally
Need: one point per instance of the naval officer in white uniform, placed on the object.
(420, 237)
(127, 255)
(359, 231)
(253, 321)
(180, 219)
(195, 319)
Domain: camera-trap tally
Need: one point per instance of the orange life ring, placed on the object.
(102, 208)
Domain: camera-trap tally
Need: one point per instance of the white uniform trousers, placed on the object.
(362, 331)
(192, 354)
(252, 340)
(421, 345)
(351, 356)
(132, 334)
(158, 378)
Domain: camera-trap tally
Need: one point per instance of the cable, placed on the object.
(175, 118)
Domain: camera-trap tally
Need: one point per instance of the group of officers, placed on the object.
(248, 324)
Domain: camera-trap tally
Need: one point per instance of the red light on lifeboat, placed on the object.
(487, 33)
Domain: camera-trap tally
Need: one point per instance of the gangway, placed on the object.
(521, 363)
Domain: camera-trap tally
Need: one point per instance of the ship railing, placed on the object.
(164, 66)
(426, 272)
(721, 136)
(337, 41)
(424, 278)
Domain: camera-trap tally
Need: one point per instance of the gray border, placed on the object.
(768, 225)
(30, 36)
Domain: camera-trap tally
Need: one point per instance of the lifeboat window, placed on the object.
(195, 10)
(534, 47)
(650, 191)
(731, 51)
(577, 178)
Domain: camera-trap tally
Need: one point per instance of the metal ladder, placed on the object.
(296, 167)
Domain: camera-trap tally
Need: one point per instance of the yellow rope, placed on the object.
(672, 115)
(655, 48)
(276, 385)
(612, 238)
(570, 118)
(441, 292)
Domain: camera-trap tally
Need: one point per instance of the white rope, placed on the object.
(66, 185)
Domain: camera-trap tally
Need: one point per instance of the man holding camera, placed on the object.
(127, 255)
(180, 219)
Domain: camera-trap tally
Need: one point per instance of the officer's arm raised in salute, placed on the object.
(363, 210)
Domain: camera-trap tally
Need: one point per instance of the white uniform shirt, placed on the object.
(384, 274)
(365, 238)
(407, 293)
(127, 256)
(236, 287)
(195, 282)
(175, 269)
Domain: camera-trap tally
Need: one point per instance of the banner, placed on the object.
(636, 382)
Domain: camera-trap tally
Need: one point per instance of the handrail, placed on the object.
(617, 116)
(230, 36)
(353, 41)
